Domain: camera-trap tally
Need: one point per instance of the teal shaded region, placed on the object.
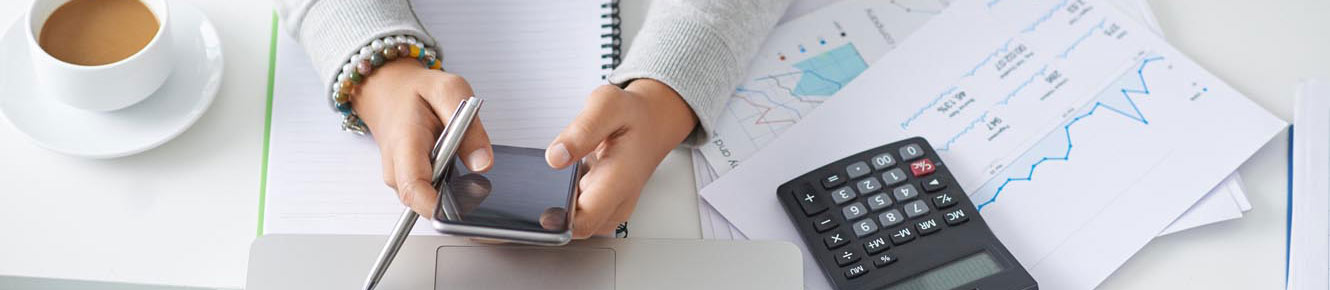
(827, 73)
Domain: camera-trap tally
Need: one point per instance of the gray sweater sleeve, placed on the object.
(332, 30)
(701, 49)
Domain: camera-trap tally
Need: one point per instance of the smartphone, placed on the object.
(520, 199)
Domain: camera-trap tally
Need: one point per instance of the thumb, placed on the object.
(601, 118)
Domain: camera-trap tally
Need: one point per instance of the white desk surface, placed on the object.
(184, 214)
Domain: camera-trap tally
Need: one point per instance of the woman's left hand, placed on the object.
(624, 134)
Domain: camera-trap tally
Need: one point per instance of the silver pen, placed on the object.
(442, 154)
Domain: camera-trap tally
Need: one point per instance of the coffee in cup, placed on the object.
(99, 55)
(97, 32)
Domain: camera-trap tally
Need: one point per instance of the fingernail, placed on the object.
(479, 159)
(557, 155)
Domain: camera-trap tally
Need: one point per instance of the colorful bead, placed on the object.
(342, 98)
(356, 77)
(345, 86)
(415, 51)
(436, 65)
(364, 68)
(390, 53)
(376, 59)
(344, 107)
(364, 52)
(403, 50)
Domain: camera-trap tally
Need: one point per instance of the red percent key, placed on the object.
(922, 167)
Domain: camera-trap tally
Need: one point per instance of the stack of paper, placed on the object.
(1309, 236)
(1153, 132)
(821, 39)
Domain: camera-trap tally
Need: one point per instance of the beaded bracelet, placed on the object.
(362, 64)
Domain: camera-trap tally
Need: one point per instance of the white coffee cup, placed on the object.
(105, 87)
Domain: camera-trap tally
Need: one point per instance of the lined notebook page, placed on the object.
(533, 61)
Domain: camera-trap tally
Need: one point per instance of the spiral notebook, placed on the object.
(534, 62)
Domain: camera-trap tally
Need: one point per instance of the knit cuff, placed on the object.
(693, 60)
(333, 30)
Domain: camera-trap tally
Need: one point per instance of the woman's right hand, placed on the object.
(406, 106)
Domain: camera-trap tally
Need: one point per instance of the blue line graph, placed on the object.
(766, 105)
(1083, 37)
(1134, 114)
(775, 79)
(947, 146)
(769, 99)
(906, 124)
(1047, 15)
(1005, 47)
(1024, 84)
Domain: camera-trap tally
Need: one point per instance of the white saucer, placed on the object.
(168, 112)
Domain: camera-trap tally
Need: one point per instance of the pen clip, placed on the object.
(445, 148)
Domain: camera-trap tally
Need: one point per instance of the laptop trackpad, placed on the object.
(468, 267)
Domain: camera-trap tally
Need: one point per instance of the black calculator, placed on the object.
(893, 217)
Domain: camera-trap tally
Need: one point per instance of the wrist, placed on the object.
(667, 111)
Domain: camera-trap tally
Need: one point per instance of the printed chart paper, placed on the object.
(1068, 123)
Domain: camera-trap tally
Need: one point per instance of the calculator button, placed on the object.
(864, 227)
(905, 192)
(891, 218)
(824, 223)
(884, 260)
(809, 200)
(912, 151)
(878, 201)
(928, 226)
(882, 161)
(857, 169)
(902, 235)
(916, 208)
(835, 240)
(847, 256)
(854, 211)
(893, 176)
(876, 245)
(933, 184)
(922, 167)
(944, 200)
(833, 180)
(955, 217)
(855, 272)
(868, 185)
(843, 194)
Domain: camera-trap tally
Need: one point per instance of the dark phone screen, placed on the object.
(519, 192)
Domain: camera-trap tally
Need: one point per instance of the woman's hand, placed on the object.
(405, 106)
(624, 134)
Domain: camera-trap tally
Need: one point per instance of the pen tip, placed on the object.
(369, 285)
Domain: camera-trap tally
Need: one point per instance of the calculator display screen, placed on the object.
(519, 192)
(954, 274)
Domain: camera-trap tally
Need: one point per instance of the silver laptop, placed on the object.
(435, 262)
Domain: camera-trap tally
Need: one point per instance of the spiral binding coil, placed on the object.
(609, 32)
